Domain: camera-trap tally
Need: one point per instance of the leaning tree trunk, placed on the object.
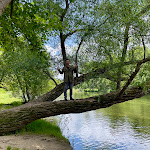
(58, 90)
(3, 5)
(18, 117)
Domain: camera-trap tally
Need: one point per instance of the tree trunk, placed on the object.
(63, 50)
(144, 47)
(18, 117)
(3, 5)
(58, 90)
(126, 39)
(11, 11)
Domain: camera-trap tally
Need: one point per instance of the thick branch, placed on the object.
(18, 117)
(65, 11)
(11, 11)
(48, 74)
(70, 33)
(126, 39)
(63, 50)
(133, 75)
(89, 29)
(76, 59)
(144, 47)
(57, 91)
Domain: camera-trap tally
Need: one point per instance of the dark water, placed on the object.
(124, 126)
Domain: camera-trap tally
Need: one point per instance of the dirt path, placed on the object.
(33, 142)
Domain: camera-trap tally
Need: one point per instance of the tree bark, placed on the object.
(3, 5)
(11, 10)
(18, 117)
(63, 50)
(133, 75)
(144, 47)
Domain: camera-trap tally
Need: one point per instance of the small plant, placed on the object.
(10, 148)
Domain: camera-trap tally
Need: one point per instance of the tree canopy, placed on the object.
(103, 34)
(109, 41)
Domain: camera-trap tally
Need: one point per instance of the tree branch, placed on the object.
(11, 11)
(3, 4)
(48, 74)
(126, 39)
(89, 29)
(57, 91)
(133, 75)
(76, 59)
(65, 11)
(144, 47)
(143, 11)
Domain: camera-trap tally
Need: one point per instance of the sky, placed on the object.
(55, 53)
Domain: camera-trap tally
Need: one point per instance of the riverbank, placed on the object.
(32, 142)
(38, 135)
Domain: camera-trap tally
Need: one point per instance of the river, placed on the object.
(124, 126)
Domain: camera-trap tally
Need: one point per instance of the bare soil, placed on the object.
(33, 142)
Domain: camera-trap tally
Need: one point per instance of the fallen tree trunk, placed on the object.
(18, 117)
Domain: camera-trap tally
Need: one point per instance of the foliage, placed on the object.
(6, 97)
(103, 85)
(24, 57)
(112, 33)
(24, 71)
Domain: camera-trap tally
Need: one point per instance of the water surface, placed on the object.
(124, 126)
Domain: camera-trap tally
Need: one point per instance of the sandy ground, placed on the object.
(33, 142)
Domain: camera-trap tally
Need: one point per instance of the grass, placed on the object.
(10, 105)
(91, 90)
(7, 98)
(10, 148)
(42, 127)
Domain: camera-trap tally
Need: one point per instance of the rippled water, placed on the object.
(124, 126)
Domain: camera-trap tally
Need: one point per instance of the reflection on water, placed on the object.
(124, 126)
